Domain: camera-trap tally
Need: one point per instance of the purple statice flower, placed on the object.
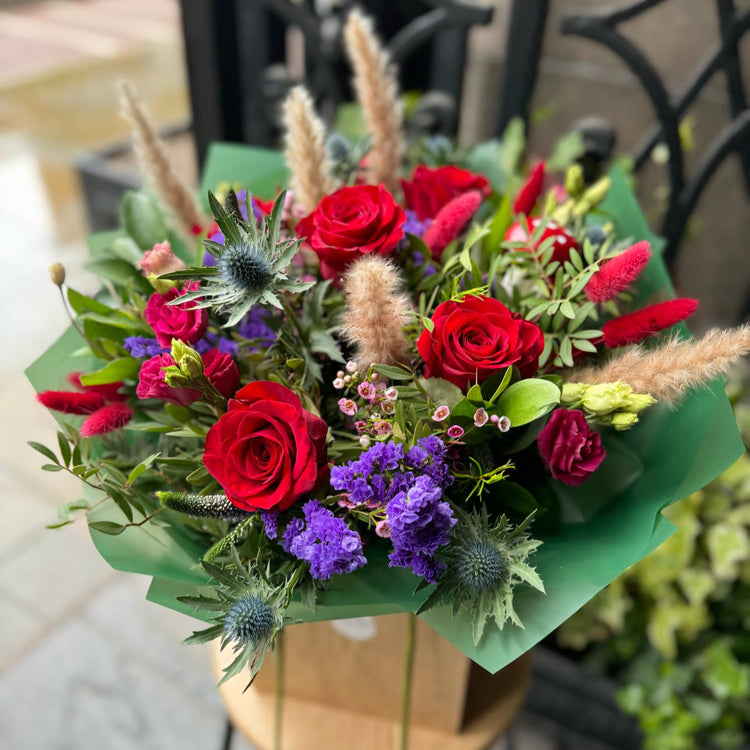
(142, 346)
(414, 226)
(428, 457)
(420, 522)
(271, 523)
(368, 480)
(324, 541)
(215, 341)
(255, 328)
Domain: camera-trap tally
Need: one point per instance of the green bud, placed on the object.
(606, 398)
(174, 378)
(295, 363)
(562, 213)
(187, 359)
(160, 285)
(638, 402)
(572, 393)
(624, 420)
(592, 197)
(574, 183)
(550, 203)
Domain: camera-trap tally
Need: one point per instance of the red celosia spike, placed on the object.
(617, 274)
(108, 418)
(451, 220)
(636, 326)
(108, 391)
(529, 194)
(70, 402)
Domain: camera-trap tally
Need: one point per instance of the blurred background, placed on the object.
(84, 661)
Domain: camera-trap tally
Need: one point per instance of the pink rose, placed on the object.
(184, 322)
(160, 260)
(569, 447)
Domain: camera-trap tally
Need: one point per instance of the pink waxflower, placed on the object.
(160, 260)
(441, 413)
(182, 321)
(381, 427)
(480, 417)
(617, 274)
(455, 432)
(391, 393)
(347, 406)
(529, 194)
(366, 390)
(382, 529)
(451, 221)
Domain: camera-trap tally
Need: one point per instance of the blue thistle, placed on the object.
(483, 565)
(249, 621)
(245, 267)
(480, 565)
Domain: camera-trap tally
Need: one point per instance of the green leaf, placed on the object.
(52, 467)
(394, 373)
(566, 151)
(81, 303)
(142, 466)
(566, 352)
(142, 220)
(441, 391)
(118, 369)
(64, 448)
(323, 343)
(527, 400)
(112, 269)
(44, 450)
(475, 394)
(107, 527)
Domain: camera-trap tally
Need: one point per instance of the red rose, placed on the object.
(477, 337)
(563, 241)
(221, 370)
(151, 383)
(431, 188)
(266, 451)
(569, 447)
(350, 223)
(183, 322)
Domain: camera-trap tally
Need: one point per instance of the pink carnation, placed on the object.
(160, 260)
(183, 321)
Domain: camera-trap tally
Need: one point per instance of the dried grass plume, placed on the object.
(157, 167)
(377, 92)
(669, 372)
(309, 165)
(376, 312)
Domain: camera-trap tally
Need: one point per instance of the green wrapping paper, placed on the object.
(608, 524)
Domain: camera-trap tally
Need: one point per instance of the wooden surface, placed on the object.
(340, 695)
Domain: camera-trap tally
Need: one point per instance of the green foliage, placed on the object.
(673, 628)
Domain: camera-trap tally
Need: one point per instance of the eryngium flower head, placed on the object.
(248, 612)
(250, 266)
(249, 620)
(244, 266)
(483, 565)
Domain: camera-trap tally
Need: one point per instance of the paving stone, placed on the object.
(20, 628)
(56, 573)
(78, 691)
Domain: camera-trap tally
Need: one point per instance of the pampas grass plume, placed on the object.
(157, 167)
(376, 312)
(669, 372)
(377, 92)
(305, 152)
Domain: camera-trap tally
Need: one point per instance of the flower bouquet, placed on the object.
(412, 382)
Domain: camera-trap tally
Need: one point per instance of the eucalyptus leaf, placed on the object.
(527, 400)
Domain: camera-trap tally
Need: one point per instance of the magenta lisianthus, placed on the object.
(151, 383)
(183, 321)
(569, 447)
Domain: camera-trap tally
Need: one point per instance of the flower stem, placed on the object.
(406, 679)
(279, 690)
